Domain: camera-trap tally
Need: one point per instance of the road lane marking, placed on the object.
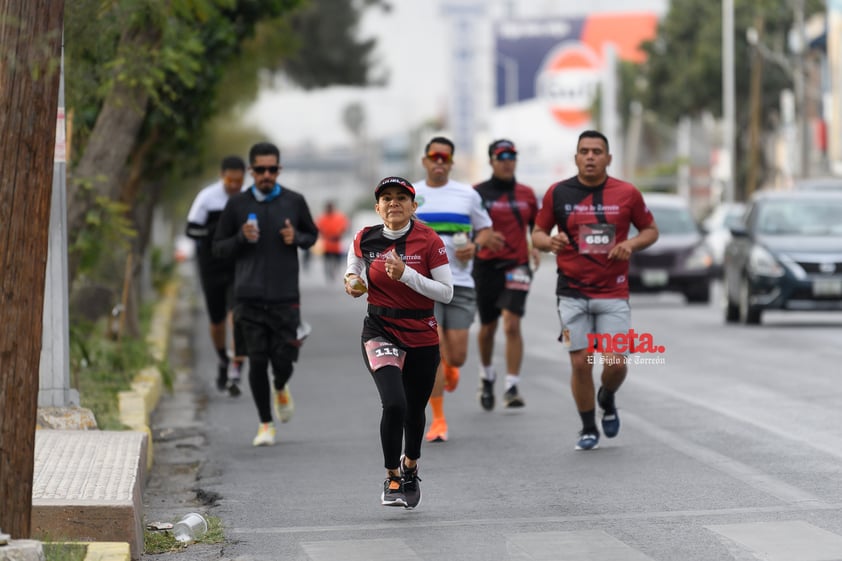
(600, 518)
(388, 549)
(795, 540)
(765, 414)
(736, 469)
(584, 545)
(764, 417)
(720, 462)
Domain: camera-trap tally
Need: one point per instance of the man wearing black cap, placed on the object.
(502, 277)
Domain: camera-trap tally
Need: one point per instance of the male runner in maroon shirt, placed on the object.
(593, 213)
(503, 276)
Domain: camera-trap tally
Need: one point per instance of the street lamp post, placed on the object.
(510, 78)
(800, 84)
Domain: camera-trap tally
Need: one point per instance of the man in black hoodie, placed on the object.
(502, 277)
(262, 229)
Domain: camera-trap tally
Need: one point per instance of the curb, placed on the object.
(108, 551)
(33, 550)
(136, 405)
(135, 409)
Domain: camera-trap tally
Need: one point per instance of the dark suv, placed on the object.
(680, 261)
(786, 256)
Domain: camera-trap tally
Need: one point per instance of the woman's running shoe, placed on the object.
(411, 489)
(393, 492)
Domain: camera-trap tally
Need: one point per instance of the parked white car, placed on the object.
(717, 228)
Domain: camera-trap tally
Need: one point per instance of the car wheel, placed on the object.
(750, 315)
(699, 294)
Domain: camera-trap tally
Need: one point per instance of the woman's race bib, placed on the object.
(381, 352)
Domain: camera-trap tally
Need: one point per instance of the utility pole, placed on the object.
(609, 114)
(755, 105)
(54, 378)
(799, 78)
(729, 96)
(30, 34)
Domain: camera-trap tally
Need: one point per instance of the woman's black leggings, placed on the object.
(404, 397)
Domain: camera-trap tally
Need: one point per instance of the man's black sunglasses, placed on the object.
(260, 170)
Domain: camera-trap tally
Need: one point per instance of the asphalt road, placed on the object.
(730, 449)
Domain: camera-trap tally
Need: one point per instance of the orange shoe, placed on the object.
(451, 377)
(438, 430)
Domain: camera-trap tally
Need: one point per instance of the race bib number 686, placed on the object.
(597, 238)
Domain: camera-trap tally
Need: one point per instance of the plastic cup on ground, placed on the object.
(190, 528)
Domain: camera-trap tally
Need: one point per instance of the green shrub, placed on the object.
(101, 367)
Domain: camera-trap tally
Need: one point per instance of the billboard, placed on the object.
(547, 74)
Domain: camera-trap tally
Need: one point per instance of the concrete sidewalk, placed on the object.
(88, 484)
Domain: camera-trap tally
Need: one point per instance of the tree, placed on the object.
(328, 53)
(30, 51)
(147, 78)
(682, 75)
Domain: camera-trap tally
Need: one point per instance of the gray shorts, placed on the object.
(460, 312)
(599, 316)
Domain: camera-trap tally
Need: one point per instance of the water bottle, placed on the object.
(460, 240)
(190, 528)
(357, 284)
(252, 219)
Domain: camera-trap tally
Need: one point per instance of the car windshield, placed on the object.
(800, 218)
(670, 220)
(674, 220)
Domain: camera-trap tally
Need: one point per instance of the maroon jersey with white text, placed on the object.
(585, 214)
(421, 249)
(512, 207)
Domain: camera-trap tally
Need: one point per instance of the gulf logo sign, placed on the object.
(569, 81)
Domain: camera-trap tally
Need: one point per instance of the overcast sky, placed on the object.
(414, 42)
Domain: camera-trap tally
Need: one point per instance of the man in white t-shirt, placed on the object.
(217, 274)
(455, 211)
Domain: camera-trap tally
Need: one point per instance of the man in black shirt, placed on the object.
(262, 228)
